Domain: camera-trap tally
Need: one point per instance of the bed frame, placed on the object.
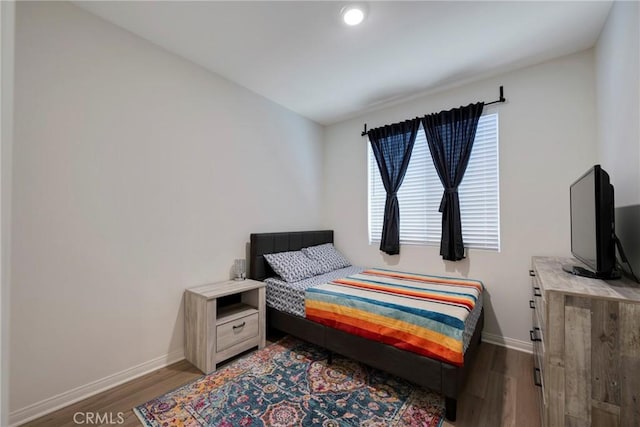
(433, 374)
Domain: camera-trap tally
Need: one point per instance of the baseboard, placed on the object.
(51, 404)
(514, 344)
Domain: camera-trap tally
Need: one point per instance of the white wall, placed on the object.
(7, 37)
(547, 139)
(618, 111)
(136, 174)
(618, 100)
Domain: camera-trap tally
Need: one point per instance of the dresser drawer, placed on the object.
(538, 298)
(538, 348)
(236, 331)
(537, 333)
(538, 305)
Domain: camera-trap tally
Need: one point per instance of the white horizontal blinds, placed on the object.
(478, 191)
(412, 196)
(421, 192)
(434, 197)
(377, 197)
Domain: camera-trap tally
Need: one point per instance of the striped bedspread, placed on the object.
(414, 312)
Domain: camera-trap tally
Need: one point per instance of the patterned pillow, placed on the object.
(293, 266)
(327, 256)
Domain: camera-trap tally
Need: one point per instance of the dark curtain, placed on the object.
(450, 136)
(392, 146)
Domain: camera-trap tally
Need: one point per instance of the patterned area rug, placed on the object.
(289, 383)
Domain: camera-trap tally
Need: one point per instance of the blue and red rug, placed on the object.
(289, 383)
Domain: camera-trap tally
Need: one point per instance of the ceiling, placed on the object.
(299, 55)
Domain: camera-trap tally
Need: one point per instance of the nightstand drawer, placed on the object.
(236, 331)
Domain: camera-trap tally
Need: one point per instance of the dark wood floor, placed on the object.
(499, 392)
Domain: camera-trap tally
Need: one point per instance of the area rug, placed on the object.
(290, 383)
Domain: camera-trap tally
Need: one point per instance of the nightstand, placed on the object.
(222, 320)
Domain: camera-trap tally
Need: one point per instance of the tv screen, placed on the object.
(592, 225)
(583, 220)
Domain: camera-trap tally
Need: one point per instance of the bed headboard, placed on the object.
(267, 243)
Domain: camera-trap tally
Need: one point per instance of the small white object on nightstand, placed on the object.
(240, 269)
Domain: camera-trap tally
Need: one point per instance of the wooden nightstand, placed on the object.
(218, 328)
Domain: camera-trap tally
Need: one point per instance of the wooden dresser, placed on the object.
(586, 336)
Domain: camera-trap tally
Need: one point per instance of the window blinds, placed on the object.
(421, 192)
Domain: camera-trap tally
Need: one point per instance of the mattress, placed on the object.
(290, 297)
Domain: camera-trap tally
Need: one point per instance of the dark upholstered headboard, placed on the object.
(268, 243)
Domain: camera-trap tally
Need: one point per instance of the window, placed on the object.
(421, 191)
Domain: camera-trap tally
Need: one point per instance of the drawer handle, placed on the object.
(532, 273)
(536, 292)
(240, 325)
(537, 378)
(532, 304)
(533, 334)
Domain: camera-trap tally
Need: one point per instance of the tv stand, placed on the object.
(576, 270)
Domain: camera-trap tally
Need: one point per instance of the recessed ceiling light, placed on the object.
(353, 14)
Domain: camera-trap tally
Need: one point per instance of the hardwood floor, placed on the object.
(499, 392)
(123, 398)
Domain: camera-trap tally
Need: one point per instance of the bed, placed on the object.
(437, 375)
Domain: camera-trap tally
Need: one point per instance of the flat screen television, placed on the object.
(593, 225)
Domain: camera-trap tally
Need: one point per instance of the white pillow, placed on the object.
(293, 266)
(327, 256)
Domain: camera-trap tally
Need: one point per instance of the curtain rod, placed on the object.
(497, 101)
